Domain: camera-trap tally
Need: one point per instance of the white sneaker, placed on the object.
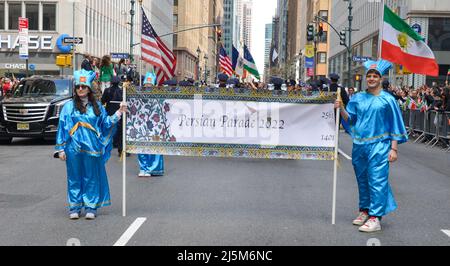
(372, 225)
(141, 174)
(74, 216)
(361, 219)
(90, 216)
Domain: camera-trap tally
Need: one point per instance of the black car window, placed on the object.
(42, 87)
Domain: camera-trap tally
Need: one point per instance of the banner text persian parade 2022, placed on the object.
(231, 122)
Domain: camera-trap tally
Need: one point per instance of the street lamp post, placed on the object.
(198, 63)
(132, 28)
(206, 67)
(349, 59)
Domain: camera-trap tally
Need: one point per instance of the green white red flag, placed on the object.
(402, 45)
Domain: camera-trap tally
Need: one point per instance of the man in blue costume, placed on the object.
(84, 142)
(376, 129)
(150, 164)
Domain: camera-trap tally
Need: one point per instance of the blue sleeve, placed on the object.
(396, 125)
(108, 128)
(352, 111)
(64, 124)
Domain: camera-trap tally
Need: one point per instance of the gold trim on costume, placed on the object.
(380, 136)
(82, 124)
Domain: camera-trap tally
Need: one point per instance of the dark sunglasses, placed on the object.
(82, 87)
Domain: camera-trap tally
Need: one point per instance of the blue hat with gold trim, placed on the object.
(150, 78)
(381, 66)
(84, 77)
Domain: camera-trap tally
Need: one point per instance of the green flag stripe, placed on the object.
(397, 23)
(252, 71)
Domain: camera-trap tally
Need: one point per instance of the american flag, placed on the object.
(156, 53)
(225, 62)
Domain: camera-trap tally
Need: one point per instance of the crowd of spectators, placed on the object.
(6, 85)
(423, 98)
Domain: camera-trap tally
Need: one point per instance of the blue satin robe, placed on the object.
(374, 122)
(151, 164)
(87, 141)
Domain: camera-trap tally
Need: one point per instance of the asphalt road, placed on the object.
(223, 202)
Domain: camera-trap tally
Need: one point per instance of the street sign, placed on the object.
(23, 38)
(73, 40)
(32, 66)
(120, 55)
(357, 58)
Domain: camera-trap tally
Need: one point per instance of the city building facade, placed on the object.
(191, 47)
(431, 17)
(247, 10)
(231, 26)
(267, 46)
(103, 25)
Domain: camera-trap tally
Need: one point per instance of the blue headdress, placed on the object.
(382, 66)
(84, 77)
(150, 78)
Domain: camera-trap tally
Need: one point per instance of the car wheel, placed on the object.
(5, 141)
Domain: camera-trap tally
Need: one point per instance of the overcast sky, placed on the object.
(263, 11)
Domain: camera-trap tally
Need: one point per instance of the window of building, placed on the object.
(2, 16)
(175, 2)
(322, 58)
(32, 13)
(175, 40)
(175, 20)
(324, 37)
(15, 11)
(438, 34)
(323, 14)
(49, 17)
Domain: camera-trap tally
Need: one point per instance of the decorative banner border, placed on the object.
(152, 129)
(233, 94)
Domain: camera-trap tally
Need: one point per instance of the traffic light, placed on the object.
(320, 31)
(358, 77)
(342, 37)
(310, 33)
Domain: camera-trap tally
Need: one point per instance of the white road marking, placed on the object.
(123, 240)
(447, 232)
(344, 154)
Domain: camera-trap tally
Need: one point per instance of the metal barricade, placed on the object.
(437, 119)
(405, 115)
(444, 131)
(426, 127)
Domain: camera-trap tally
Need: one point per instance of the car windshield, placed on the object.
(43, 87)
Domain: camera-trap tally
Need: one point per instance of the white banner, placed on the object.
(231, 126)
(260, 123)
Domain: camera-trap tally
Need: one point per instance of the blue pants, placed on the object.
(371, 165)
(87, 182)
(151, 164)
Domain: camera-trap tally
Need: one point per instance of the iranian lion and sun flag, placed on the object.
(404, 46)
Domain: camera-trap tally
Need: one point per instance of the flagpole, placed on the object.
(140, 53)
(336, 149)
(380, 30)
(124, 153)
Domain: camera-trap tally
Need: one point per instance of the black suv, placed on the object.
(33, 108)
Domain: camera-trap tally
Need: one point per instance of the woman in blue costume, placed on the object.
(376, 129)
(84, 142)
(150, 164)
